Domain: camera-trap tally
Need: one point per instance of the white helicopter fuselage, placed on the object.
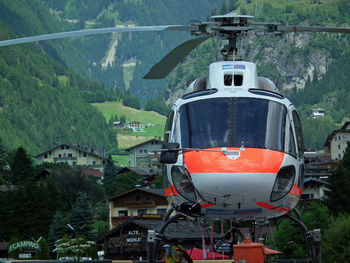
(242, 149)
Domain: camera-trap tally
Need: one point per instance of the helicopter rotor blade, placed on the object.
(174, 57)
(283, 28)
(96, 31)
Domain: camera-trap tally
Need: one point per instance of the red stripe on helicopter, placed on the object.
(251, 160)
(170, 191)
(296, 190)
(271, 207)
(206, 205)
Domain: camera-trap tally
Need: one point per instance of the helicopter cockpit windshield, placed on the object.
(233, 122)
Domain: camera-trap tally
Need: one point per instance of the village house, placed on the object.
(135, 203)
(337, 141)
(142, 155)
(133, 125)
(72, 155)
(316, 113)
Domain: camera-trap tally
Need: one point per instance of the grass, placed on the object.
(122, 160)
(126, 141)
(110, 108)
(129, 139)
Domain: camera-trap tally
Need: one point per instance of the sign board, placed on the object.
(24, 255)
(24, 244)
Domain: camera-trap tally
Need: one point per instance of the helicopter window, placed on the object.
(231, 122)
(228, 79)
(299, 133)
(238, 80)
(292, 148)
(168, 124)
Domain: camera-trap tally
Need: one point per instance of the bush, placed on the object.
(336, 242)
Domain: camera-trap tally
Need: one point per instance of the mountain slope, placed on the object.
(41, 103)
(310, 68)
(131, 55)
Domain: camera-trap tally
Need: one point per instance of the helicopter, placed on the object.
(233, 145)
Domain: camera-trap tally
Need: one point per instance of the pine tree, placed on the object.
(57, 229)
(21, 167)
(338, 193)
(110, 173)
(81, 218)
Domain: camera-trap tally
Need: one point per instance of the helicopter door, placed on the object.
(299, 134)
(168, 126)
(300, 146)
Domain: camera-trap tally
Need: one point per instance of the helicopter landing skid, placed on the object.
(153, 243)
(312, 238)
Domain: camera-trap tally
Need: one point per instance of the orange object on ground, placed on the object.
(251, 252)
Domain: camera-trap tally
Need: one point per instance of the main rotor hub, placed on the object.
(230, 27)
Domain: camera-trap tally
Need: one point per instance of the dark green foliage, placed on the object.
(336, 242)
(71, 183)
(131, 101)
(288, 237)
(125, 182)
(316, 131)
(3, 158)
(21, 167)
(157, 105)
(58, 228)
(44, 253)
(110, 173)
(81, 218)
(42, 104)
(27, 210)
(338, 194)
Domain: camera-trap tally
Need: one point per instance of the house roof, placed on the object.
(140, 144)
(314, 180)
(74, 147)
(154, 191)
(343, 129)
(182, 229)
(91, 171)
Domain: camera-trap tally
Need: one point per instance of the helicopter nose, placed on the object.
(250, 160)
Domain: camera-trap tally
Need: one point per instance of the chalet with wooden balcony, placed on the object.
(135, 204)
(72, 155)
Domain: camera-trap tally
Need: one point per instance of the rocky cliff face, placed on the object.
(292, 60)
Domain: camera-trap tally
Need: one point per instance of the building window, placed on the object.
(141, 212)
(138, 198)
(339, 138)
(103, 162)
(70, 155)
(45, 155)
(339, 156)
(93, 162)
(335, 138)
(145, 151)
(62, 147)
(80, 154)
(59, 156)
(50, 154)
(84, 154)
(123, 213)
(339, 146)
(140, 151)
(161, 211)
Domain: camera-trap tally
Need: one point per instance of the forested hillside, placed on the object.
(41, 103)
(122, 60)
(310, 68)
